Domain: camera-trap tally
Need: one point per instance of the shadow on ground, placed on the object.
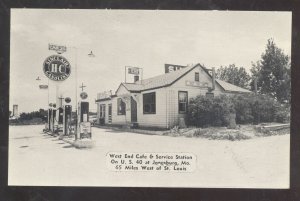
(68, 146)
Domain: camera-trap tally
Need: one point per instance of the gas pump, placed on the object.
(83, 134)
(60, 115)
(84, 126)
(53, 118)
(67, 118)
(59, 119)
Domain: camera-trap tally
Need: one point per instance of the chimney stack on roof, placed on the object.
(213, 78)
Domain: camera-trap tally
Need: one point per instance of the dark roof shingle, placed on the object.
(169, 78)
(158, 81)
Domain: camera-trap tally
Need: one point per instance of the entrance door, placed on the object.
(109, 113)
(133, 110)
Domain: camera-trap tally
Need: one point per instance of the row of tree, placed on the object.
(42, 114)
(272, 74)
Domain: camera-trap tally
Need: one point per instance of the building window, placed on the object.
(121, 107)
(197, 77)
(149, 103)
(182, 101)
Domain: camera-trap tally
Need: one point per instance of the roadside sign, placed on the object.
(133, 70)
(171, 67)
(196, 84)
(83, 95)
(57, 68)
(43, 86)
(68, 100)
(57, 48)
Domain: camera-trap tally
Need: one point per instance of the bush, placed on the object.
(259, 108)
(242, 106)
(206, 111)
(248, 108)
(263, 108)
(282, 113)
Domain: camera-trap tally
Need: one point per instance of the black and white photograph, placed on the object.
(150, 98)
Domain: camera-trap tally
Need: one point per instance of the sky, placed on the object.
(139, 38)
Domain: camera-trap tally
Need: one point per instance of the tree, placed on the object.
(273, 73)
(234, 75)
(35, 114)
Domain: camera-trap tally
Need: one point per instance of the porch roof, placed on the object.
(232, 88)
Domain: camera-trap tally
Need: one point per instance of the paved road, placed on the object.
(38, 159)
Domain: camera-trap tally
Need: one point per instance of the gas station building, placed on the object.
(160, 101)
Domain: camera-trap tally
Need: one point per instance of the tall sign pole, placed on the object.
(125, 73)
(56, 68)
(76, 100)
(57, 94)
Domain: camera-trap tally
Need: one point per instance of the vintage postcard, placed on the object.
(150, 98)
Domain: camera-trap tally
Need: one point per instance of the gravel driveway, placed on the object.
(37, 159)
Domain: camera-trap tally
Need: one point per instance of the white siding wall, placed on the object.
(118, 119)
(122, 90)
(172, 107)
(153, 120)
(167, 114)
(121, 119)
(106, 102)
(98, 112)
(203, 77)
(172, 93)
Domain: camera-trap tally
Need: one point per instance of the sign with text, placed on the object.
(58, 48)
(196, 84)
(171, 67)
(151, 162)
(43, 86)
(85, 129)
(57, 68)
(133, 70)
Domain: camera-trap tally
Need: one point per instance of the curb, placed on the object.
(81, 144)
(138, 131)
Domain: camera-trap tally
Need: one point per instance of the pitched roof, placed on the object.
(169, 78)
(158, 81)
(132, 86)
(230, 87)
